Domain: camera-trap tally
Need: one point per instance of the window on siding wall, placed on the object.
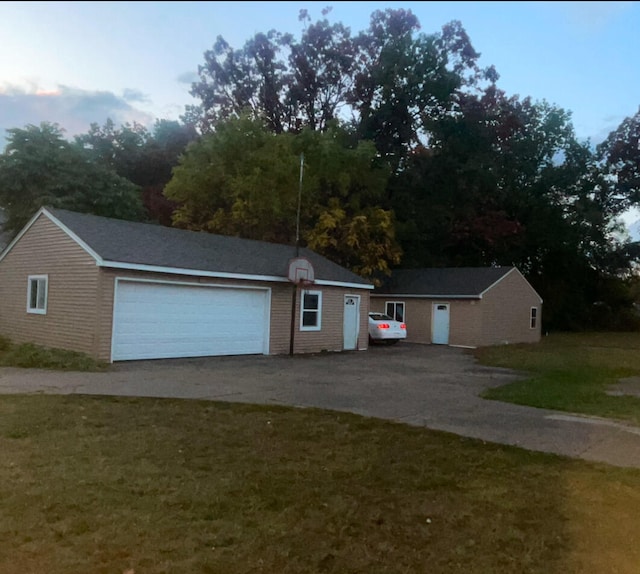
(311, 311)
(37, 294)
(534, 317)
(395, 310)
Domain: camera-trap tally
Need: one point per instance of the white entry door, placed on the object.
(160, 321)
(440, 323)
(351, 321)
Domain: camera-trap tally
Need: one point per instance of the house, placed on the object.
(120, 290)
(466, 307)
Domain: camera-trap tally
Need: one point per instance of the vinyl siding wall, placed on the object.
(464, 318)
(506, 312)
(71, 321)
(502, 316)
(330, 337)
(80, 299)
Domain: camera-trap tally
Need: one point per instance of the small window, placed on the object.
(310, 316)
(395, 310)
(37, 294)
(534, 317)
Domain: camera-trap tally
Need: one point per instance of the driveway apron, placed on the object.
(433, 386)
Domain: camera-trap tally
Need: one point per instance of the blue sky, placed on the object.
(74, 63)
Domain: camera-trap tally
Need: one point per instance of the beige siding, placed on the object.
(417, 316)
(502, 316)
(465, 322)
(464, 318)
(71, 318)
(506, 309)
(330, 337)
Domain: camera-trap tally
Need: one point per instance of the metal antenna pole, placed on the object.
(299, 202)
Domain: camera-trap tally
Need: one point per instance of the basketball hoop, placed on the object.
(301, 271)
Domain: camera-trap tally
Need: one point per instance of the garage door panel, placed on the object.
(164, 321)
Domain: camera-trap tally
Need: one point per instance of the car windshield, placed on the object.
(380, 317)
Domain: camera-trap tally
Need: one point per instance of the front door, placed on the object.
(351, 322)
(440, 334)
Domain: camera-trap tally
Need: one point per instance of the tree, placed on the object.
(387, 79)
(406, 79)
(243, 180)
(504, 181)
(620, 156)
(144, 157)
(39, 167)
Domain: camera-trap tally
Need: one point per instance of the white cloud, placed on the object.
(593, 17)
(73, 109)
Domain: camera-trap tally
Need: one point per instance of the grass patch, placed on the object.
(113, 485)
(570, 372)
(28, 355)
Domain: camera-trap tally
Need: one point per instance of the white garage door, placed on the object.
(159, 321)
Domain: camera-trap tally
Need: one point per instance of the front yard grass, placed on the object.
(570, 372)
(149, 486)
(30, 356)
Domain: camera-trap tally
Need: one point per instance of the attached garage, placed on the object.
(153, 320)
(122, 290)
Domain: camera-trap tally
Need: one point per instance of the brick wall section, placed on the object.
(71, 318)
(506, 310)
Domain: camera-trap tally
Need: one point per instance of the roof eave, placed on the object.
(221, 274)
(426, 296)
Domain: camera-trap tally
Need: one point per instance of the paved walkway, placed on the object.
(431, 386)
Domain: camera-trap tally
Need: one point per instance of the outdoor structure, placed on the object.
(120, 290)
(467, 307)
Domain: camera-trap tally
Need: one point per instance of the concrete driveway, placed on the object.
(425, 385)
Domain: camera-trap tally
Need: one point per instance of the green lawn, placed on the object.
(148, 486)
(30, 356)
(571, 372)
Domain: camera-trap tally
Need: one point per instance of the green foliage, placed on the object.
(144, 158)
(244, 180)
(40, 168)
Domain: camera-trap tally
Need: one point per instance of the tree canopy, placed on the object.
(40, 168)
(244, 180)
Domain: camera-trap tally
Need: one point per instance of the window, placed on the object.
(395, 310)
(534, 317)
(37, 294)
(310, 315)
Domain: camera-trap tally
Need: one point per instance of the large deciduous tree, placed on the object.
(39, 167)
(244, 180)
(505, 181)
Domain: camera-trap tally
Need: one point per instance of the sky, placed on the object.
(77, 63)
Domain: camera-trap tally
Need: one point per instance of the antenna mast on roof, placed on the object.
(298, 211)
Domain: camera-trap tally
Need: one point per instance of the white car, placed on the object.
(384, 329)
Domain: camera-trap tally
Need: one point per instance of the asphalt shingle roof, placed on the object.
(122, 241)
(438, 282)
